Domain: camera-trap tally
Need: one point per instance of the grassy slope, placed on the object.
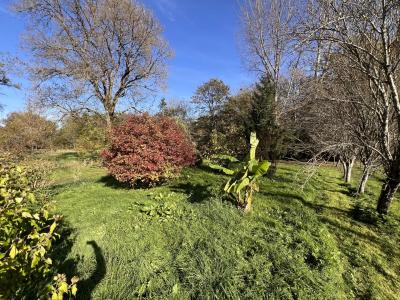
(313, 244)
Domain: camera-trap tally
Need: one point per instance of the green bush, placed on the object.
(27, 232)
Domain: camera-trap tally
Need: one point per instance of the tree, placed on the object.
(177, 110)
(26, 132)
(272, 50)
(4, 80)
(270, 39)
(367, 34)
(82, 132)
(92, 54)
(210, 97)
(209, 100)
(264, 123)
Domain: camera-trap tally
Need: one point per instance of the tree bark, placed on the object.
(109, 121)
(344, 169)
(389, 188)
(363, 181)
(347, 169)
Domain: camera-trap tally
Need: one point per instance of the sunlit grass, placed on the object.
(315, 243)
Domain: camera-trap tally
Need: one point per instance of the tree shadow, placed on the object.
(196, 192)
(349, 192)
(318, 208)
(364, 215)
(110, 181)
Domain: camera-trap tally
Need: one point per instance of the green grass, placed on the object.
(182, 240)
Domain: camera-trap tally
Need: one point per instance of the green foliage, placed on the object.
(209, 101)
(210, 164)
(61, 288)
(263, 120)
(222, 163)
(244, 181)
(26, 235)
(85, 133)
(161, 211)
(39, 172)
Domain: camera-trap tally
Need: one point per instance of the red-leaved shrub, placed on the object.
(147, 149)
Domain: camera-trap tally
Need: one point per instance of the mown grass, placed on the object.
(182, 240)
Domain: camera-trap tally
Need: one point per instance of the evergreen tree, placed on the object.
(264, 122)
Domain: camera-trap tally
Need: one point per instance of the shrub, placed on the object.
(26, 235)
(147, 149)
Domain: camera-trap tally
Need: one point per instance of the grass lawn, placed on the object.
(182, 240)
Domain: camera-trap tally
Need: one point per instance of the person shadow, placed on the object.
(87, 286)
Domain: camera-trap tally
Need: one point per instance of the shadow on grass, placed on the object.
(365, 215)
(86, 286)
(68, 266)
(318, 208)
(196, 192)
(111, 182)
(350, 191)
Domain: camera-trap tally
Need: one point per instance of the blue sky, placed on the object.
(202, 33)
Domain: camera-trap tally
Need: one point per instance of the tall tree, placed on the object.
(367, 33)
(264, 122)
(210, 97)
(272, 50)
(269, 35)
(91, 54)
(209, 100)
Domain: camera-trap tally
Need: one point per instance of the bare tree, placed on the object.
(367, 33)
(269, 37)
(4, 80)
(327, 126)
(91, 54)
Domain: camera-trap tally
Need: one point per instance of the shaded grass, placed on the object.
(318, 243)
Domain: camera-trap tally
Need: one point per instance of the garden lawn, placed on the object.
(182, 240)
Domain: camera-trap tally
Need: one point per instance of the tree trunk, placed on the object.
(344, 169)
(347, 168)
(389, 188)
(109, 121)
(363, 181)
(272, 168)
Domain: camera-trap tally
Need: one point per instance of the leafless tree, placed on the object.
(325, 122)
(367, 33)
(4, 80)
(92, 54)
(269, 28)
